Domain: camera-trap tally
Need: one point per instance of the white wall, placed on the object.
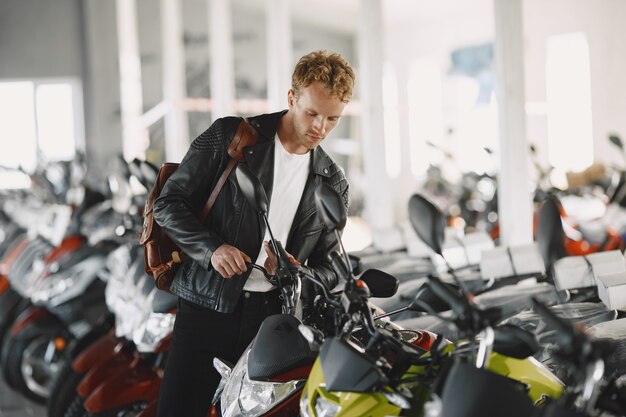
(603, 21)
(40, 39)
(414, 35)
(433, 37)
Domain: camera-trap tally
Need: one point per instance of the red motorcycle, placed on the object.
(122, 371)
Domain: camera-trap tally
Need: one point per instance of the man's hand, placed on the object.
(229, 261)
(271, 263)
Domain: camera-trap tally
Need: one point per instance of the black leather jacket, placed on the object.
(232, 220)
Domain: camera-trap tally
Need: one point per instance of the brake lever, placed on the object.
(272, 279)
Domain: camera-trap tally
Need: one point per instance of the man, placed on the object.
(222, 302)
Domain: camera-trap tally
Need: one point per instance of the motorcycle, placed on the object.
(386, 376)
(67, 295)
(269, 377)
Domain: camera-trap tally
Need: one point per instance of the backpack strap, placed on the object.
(245, 135)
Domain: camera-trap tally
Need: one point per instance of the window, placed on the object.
(41, 120)
(425, 112)
(568, 93)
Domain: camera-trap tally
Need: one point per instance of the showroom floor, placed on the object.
(13, 404)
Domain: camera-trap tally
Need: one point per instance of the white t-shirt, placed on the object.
(290, 175)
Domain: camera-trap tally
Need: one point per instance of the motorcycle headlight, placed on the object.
(155, 329)
(131, 322)
(304, 405)
(67, 284)
(243, 397)
(326, 408)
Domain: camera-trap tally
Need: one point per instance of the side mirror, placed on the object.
(425, 295)
(134, 167)
(330, 207)
(550, 234)
(149, 173)
(145, 172)
(427, 221)
(252, 188)
(617, 141)
(381, 284)
(515, 342)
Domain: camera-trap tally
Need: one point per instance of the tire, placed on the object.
(12, 304)
(64, 384)
(24, 366)
(75, 408)
(63, 390)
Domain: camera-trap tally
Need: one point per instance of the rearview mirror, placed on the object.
(149, 173)
(252, 188)
(330, 207)
(550, 234)
(427, 221)
(515, 342)
(617, 141)
(425, 295)
(381, 284)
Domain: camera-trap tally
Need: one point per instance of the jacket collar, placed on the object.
(267, 125)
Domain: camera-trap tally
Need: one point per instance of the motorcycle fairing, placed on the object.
(137, 383)
(278, 347)
(118, 362)
(363, 374)
(469, 391)
(96, 353)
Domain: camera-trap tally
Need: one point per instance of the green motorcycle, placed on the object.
(388, 376)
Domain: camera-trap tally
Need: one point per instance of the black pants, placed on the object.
(201, 334)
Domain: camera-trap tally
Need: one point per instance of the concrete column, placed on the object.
(134, 135)
(279, 56)
(102, 120)
(407, 183)
(174, 81)
(378, 197)
(222, 74)
(514, 188)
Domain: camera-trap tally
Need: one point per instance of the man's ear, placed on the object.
(291, 98)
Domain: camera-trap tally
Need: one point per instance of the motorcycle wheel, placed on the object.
(11, 306)
(32, 361)
(63, 391)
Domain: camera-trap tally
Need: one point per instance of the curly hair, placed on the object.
(331, 69)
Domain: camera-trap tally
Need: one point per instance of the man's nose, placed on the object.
(320, 125)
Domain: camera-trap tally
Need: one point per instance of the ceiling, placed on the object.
(342, 15)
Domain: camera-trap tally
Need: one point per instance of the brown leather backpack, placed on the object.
(162, 256)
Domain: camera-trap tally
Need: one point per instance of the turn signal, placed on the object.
(60, 343)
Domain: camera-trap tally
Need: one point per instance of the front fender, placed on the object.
(139, 383)
(33, 314)
(99, 351)
(118, 362)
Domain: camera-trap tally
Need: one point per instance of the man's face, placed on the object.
(315, 113)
